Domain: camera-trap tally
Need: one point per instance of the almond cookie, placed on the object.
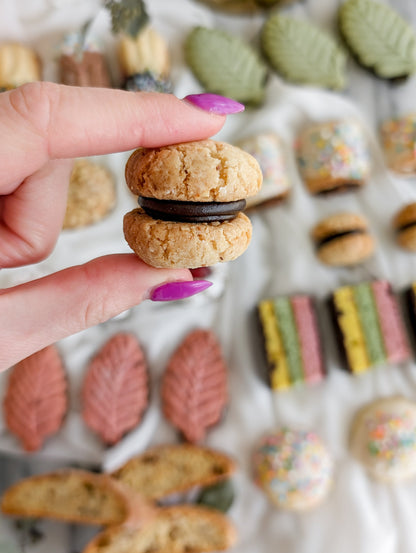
(176, 468)
(191, 197)
(404, 224)
(343, 239)
(294, 469)
(383, 439)
(18, 65)
(91, 194)
(398, 137)
(70, 495)
(333, 157)
(178, 529)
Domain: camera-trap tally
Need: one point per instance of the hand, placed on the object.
(43, 126)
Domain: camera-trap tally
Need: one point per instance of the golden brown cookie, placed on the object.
(191, 197)
(343, 239)
(178, 529)
(18, 65)
(404, 224)
(91, 194)
(71, 495)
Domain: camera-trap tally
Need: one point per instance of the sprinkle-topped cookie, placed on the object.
(383, 438)
(368, 325)
(293, 468)
(267, 149)
(291, 341)
(333, 157)
(398, 137)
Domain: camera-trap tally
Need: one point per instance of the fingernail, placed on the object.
(178, 290)
(213, 103)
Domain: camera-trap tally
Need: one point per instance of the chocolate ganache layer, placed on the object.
(191, 212)
(338, 235)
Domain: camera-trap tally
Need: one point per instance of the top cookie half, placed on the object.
(203, 171)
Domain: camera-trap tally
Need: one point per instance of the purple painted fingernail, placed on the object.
(178, 290)
(213, 103)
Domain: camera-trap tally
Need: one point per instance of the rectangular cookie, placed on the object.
(291, 341)
(88, 70)
(368, 326)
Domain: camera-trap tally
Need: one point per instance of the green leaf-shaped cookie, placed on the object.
(226, 65)
(380, 39)
(302, 53)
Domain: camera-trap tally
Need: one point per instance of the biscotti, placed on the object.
(167, 469)
(70, 495)
(179, 529)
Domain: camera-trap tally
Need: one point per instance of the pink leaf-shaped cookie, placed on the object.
(194, 388)
(115, 390)
(36, 398)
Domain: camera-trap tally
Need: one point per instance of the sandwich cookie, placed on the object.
(267, 149)
(404, 224)
(398, 137)
(368, 326)
(18, 65)
(343, 239)
(333, 157)
(383, 439)
(191, 199)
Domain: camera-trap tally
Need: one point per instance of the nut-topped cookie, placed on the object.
(191, 198)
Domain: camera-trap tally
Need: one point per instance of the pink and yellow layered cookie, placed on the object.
(291, 341)
(369, 326)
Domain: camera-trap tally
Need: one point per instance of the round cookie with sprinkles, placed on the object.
(293, 468)
(383, 438)
(333, 157)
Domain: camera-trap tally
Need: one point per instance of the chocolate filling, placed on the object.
(339, 189)
(406, 226)
(191, 212)
(332, 237)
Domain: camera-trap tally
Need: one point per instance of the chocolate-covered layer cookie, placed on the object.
(191, 212)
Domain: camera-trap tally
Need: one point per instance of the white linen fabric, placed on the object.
(359, 515)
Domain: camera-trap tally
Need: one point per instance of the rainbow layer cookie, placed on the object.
(291, 340)
(369, 326)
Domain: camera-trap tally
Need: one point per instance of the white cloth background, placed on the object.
(359, 515)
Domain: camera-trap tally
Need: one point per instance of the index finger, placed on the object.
(43, 121)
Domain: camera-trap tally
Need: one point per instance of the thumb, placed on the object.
(43, 311)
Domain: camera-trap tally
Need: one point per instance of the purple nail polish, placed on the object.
(178, 290)
(213, 103)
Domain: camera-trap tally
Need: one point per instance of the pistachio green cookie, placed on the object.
(303, 54)
(245, 6)
(379, 38)
(226, 65)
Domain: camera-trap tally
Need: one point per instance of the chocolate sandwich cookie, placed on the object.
(191, 197)
(404, 224)
(398, 137)
(291, 341)
(267, 149)
(333, 157)
(18, 65)
(343, 239)
(368, 326)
